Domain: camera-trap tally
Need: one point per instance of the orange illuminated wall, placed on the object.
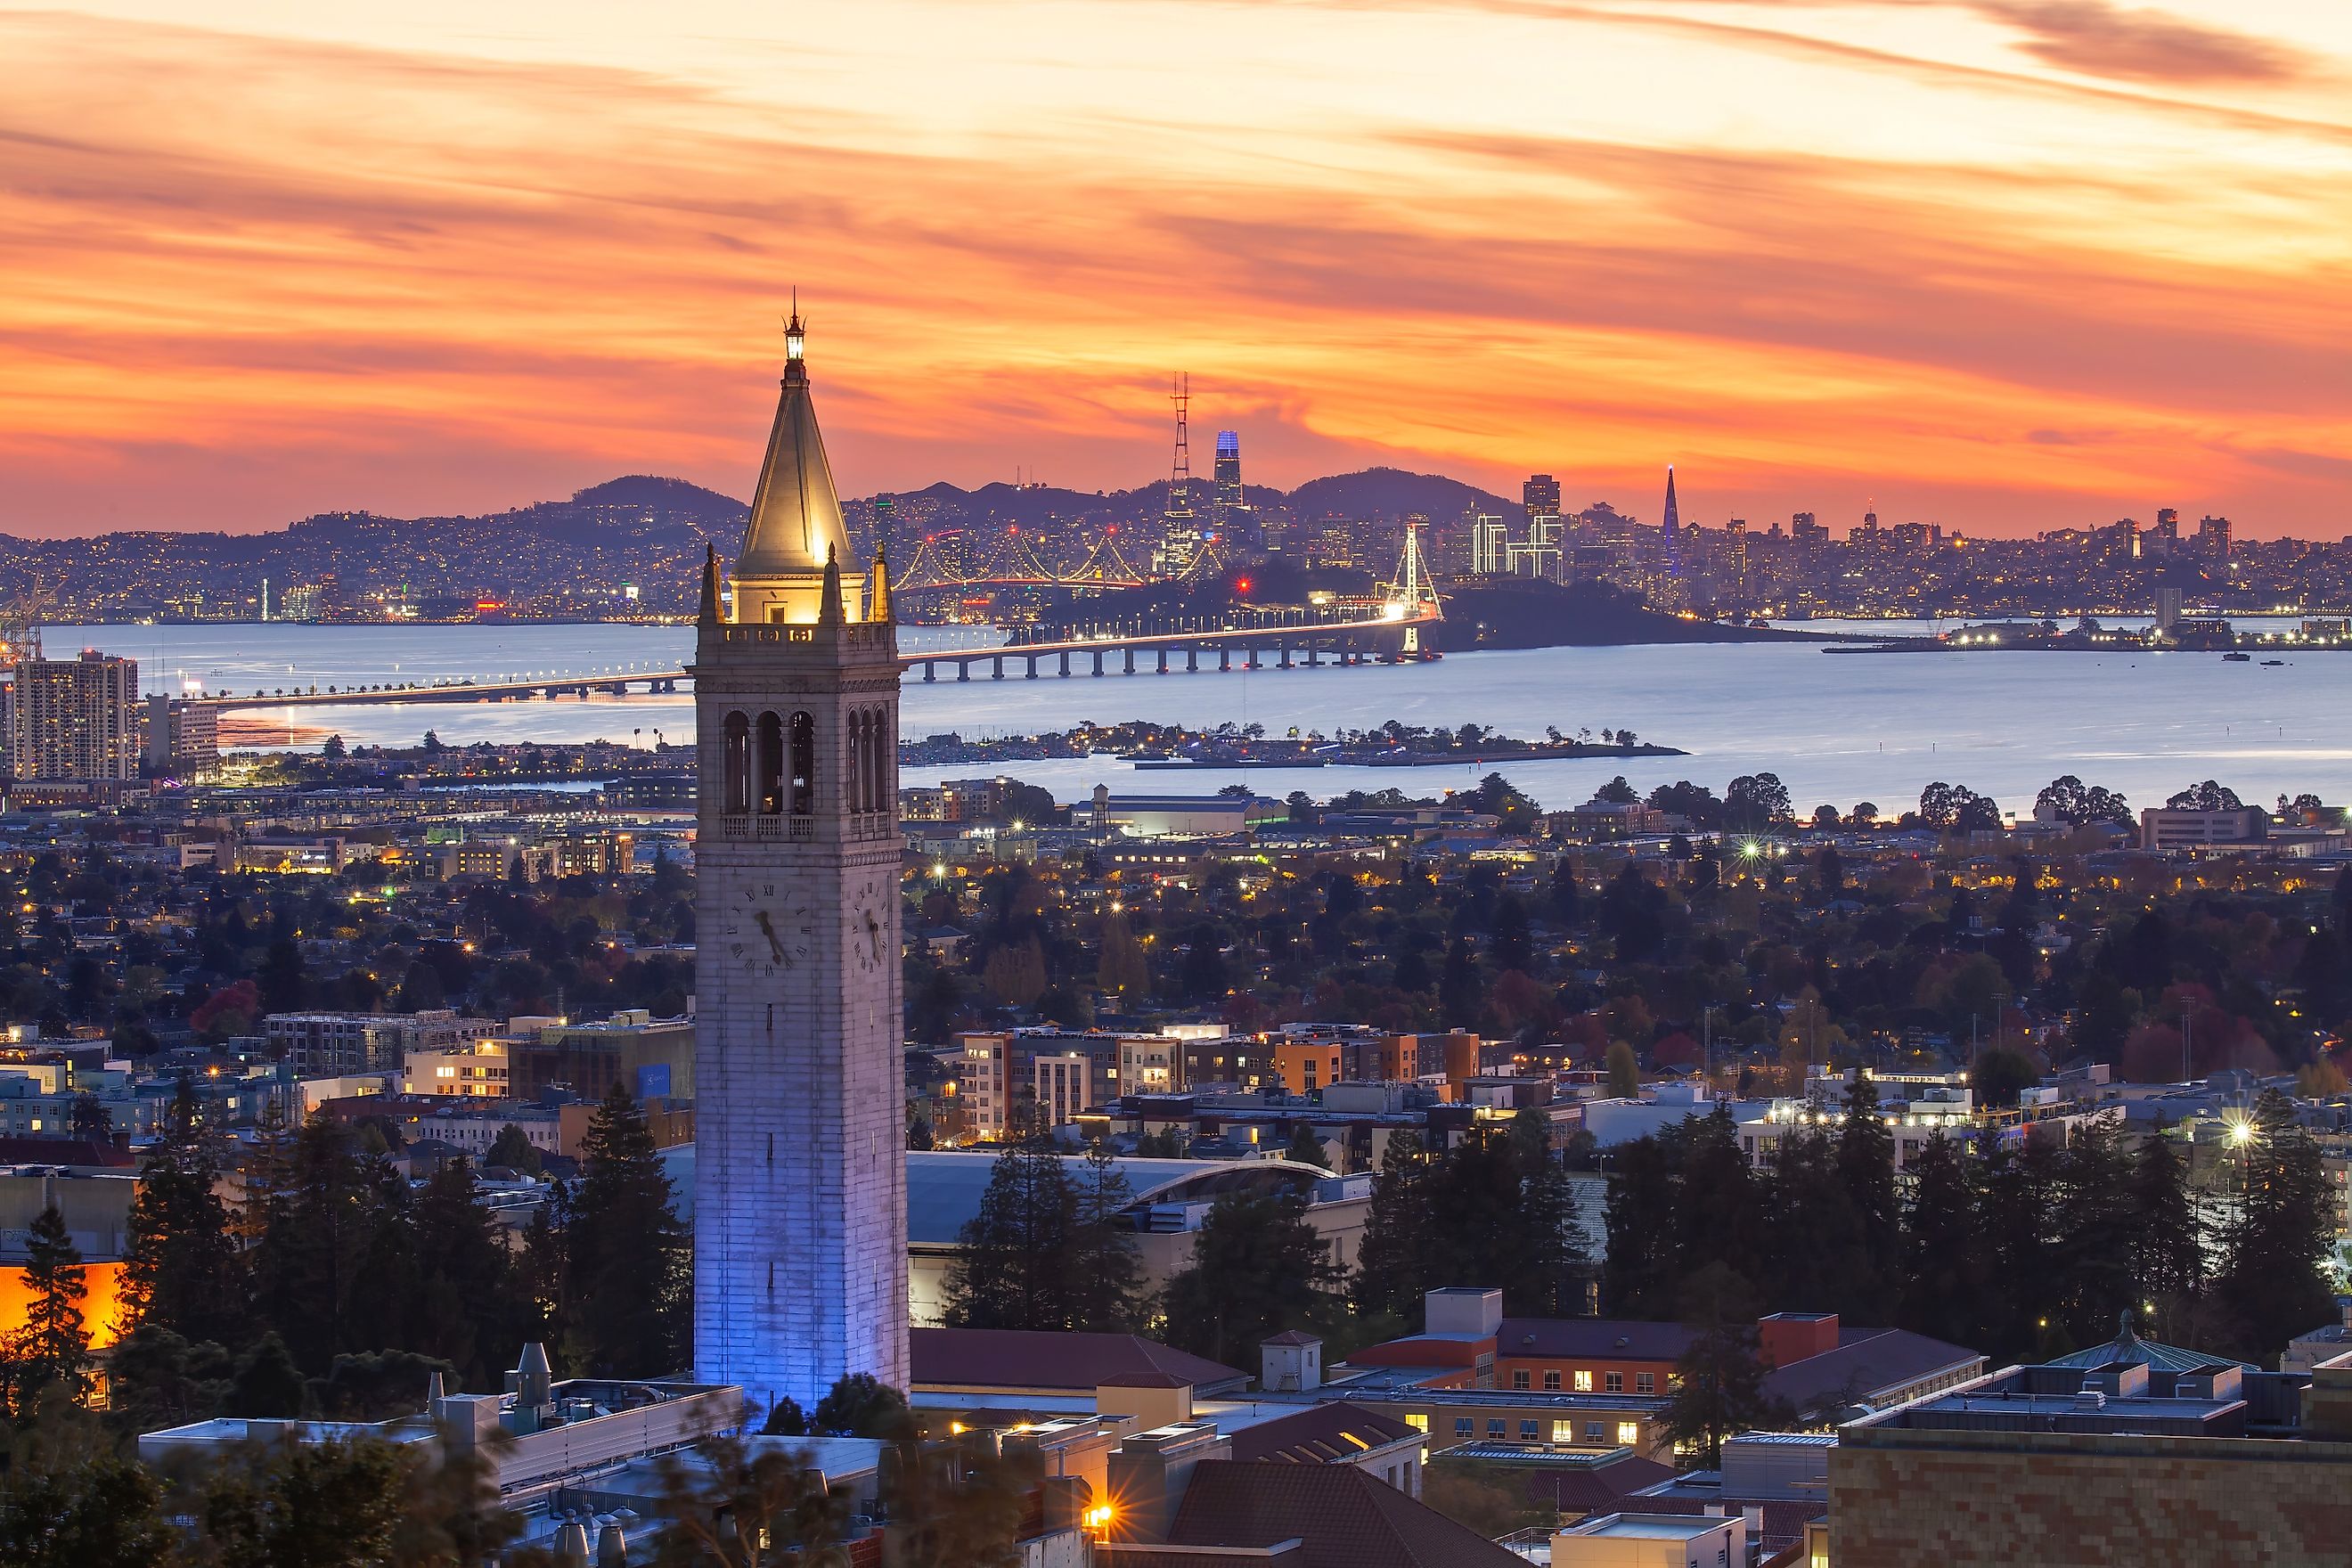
(99, 1308)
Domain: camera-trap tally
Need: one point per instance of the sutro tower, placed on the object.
(1180, 476)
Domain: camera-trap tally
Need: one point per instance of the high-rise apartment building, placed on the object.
(800, 1209)
(1541, 494)
(75, 717)
(2213, 538)
(1490, 544)
(182, 736)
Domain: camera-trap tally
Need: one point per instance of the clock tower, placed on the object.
(799, 1199)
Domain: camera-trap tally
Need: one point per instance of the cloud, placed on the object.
(2097, 39)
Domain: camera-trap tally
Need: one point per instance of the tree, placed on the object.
(2209, 795)
(2270, 1284)
(1106, 1267)
(92, 1119)
(1866, 1169)
(861, 1405)
(1393, 1258)
(332, 1504)
(464, 1295)
(1624, 1072)
(334, 750)
(181, 1269)
(747, 1506)
(628, 1281)
(1306, 1148)
(1753, 802)
(74, 1504)
(50, 1353)
(1122, 970)
(512, 1150)
(1259, 1268)
(785, 1419)
(1016, 973)
(267, 1383)
(1941, 1276)
(2169, 1257)
(1718, 1390)
(1617, 791)
(2095, 1250)
(1011, 1267)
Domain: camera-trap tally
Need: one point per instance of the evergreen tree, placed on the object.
(1941, 1259)
(1306, 1148)
(1624, 1071)
(335, 1504)
(2270, 1285)
(1011, 1270)
(512, 1150)
(463, 1313)
(2015, 1229)
(1394, 1254)
(2096, 1246)
(1121, 968)
(1816, 1258)
(1105, 1265)
(181, 1270)
(1259, 1268)
(1717, 1210)
(49, 1356)
(317, 1230)
(1460, 992)
(1640, 1275)
(1718, 1389)
(2168, 1257)
(1866, 1169)
(267, 1383)
(628, 1285)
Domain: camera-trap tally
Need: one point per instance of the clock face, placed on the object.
(771, 929)
(867, 928)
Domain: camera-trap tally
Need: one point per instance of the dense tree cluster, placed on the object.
(2028, 1251)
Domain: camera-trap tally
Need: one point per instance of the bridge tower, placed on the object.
(1413, 596)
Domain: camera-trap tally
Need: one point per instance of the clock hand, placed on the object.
(774, 946)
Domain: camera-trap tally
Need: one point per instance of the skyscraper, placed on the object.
(75, 717)
(1541, 494)
(800, 1204)
(1228, 474)
(1670, 531)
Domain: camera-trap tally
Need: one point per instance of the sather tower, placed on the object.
(800, 1200)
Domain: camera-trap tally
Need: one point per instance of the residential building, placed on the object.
(2165, 827)
(75, 719)
(475, 1070)
(322, 1045)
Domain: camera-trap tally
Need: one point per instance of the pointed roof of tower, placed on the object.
(1673, 514)
(710, 609)
(877, 596)
(795, 514)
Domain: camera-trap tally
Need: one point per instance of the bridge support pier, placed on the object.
(1163, 662)
(930, 673)
(1314, 657)
(1097, 661)
(996, 671)
(1130, 660)
(1252, 661)
(1065, 664)
(1224, 657)
(1284, 646)
(963, 669)
(1192, 660)
(1033, 667)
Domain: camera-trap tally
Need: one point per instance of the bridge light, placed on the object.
(1392, 612)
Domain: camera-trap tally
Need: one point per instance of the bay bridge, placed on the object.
(1385, 629)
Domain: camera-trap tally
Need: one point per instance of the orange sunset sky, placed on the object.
(2006, 264)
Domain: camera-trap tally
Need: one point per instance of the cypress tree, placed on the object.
(628, 1285)
(1258, 1269)
(1640, 1272)
(318, 1230)
(2169, 1255)
(1718, 1389)
(2097, 1243)
(465, 1312)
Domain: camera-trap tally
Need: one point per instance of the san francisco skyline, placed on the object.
(2009, 264)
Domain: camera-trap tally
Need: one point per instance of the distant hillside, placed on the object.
(1394, 493)
(662, 495)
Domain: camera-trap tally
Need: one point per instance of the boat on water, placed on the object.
(2238, 658)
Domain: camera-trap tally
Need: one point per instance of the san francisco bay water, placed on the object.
(1837, 727)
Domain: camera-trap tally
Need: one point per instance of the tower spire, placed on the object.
(878, 592)
(796, 521)
(828, 609)
(709, 615)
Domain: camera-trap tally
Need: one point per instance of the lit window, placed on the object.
(1563, 1431)
(1629, 1433)
(1417, 1421)
(1584, 1382)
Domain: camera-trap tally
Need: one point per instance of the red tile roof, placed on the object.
(1345, 1517)
(1319, 1435)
